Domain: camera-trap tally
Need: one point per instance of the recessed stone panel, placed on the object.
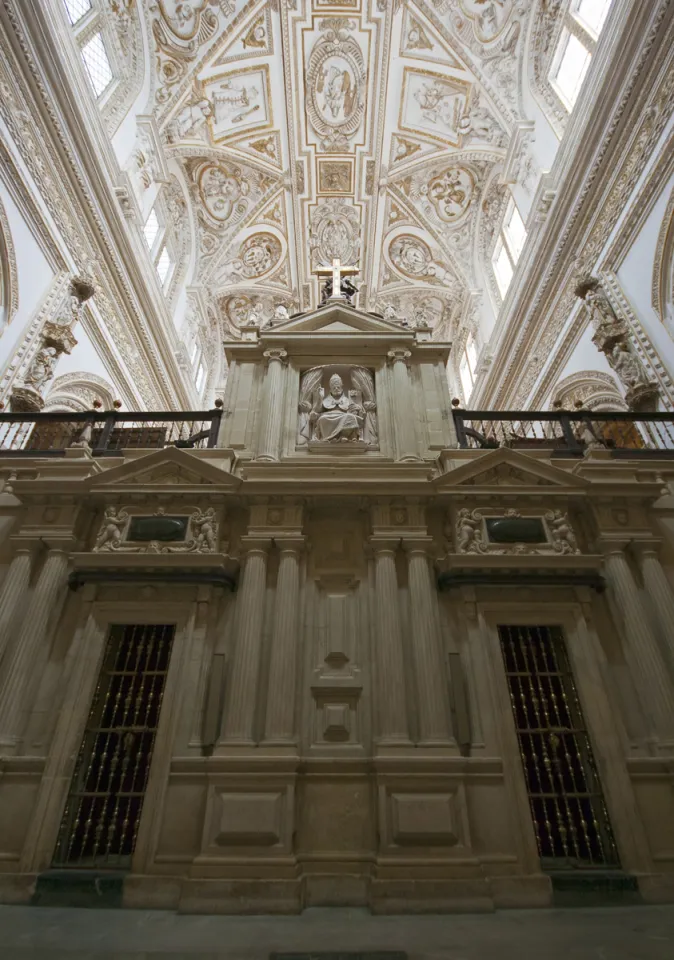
(249, 819)
(427, 819)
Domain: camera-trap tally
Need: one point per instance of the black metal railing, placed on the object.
(106, 432)
(567, 434)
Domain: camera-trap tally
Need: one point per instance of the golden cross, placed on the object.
(336, 271)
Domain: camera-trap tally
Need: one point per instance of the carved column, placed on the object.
(18, 682)
(390, 667)
(12, 598)
(425, 645)
(641, 648)
(56, 338)
(406, 441)
(271, 414)
(660, 594)
(241, 694)
(280, 719)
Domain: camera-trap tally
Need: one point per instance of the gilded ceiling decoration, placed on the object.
(368, 130)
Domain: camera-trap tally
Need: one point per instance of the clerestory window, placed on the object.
(89, 29)
(509, 246)
(468, 366)
(157, 241)
(583, 22)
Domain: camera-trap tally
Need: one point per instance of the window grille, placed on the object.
(569, 814)
(105, 801)
(97, 64)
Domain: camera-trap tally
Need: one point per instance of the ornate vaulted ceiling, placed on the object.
(373, 130)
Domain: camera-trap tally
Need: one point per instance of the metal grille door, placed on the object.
(570, 817)
(102, 814)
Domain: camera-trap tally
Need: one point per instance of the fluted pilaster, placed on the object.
(271, 416)
(431, 679)
(406, 441)
(241, 694)
(280, 719)
(660, 595)
(13, 593)
(641, 649)
(391, 697)
(21, 671)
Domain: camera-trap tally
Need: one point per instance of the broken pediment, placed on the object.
(169, 467)
(508, 468)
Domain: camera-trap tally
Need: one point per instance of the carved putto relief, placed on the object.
(337, 406)
(335, 79)
(201, 535)
(471, 533)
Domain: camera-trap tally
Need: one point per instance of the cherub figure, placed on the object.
(561, 531)
(205, 526)
(110, 534)
(468, 531)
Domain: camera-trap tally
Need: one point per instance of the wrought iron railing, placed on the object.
(106, 432)
(566, 433)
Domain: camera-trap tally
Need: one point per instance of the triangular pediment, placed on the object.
(169, 467)
(338, 319)
(508, 468)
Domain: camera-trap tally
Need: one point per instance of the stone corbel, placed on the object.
(612, 337)
(56, 338)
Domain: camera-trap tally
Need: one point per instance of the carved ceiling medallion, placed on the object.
(412, 258)
(221, 188)
(451, 193)
(335, 84)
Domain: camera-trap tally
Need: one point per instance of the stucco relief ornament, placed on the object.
(561, 531)
(334, 232)
(413, 258)
(257, 255)
(469, 531)
(338, 415)
(335, 84)
(110, 535)
(222, 190)
(191, 123)
(451, 193)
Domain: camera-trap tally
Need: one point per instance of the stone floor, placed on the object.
(611, 933)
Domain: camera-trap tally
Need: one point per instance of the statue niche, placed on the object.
(337, 406)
